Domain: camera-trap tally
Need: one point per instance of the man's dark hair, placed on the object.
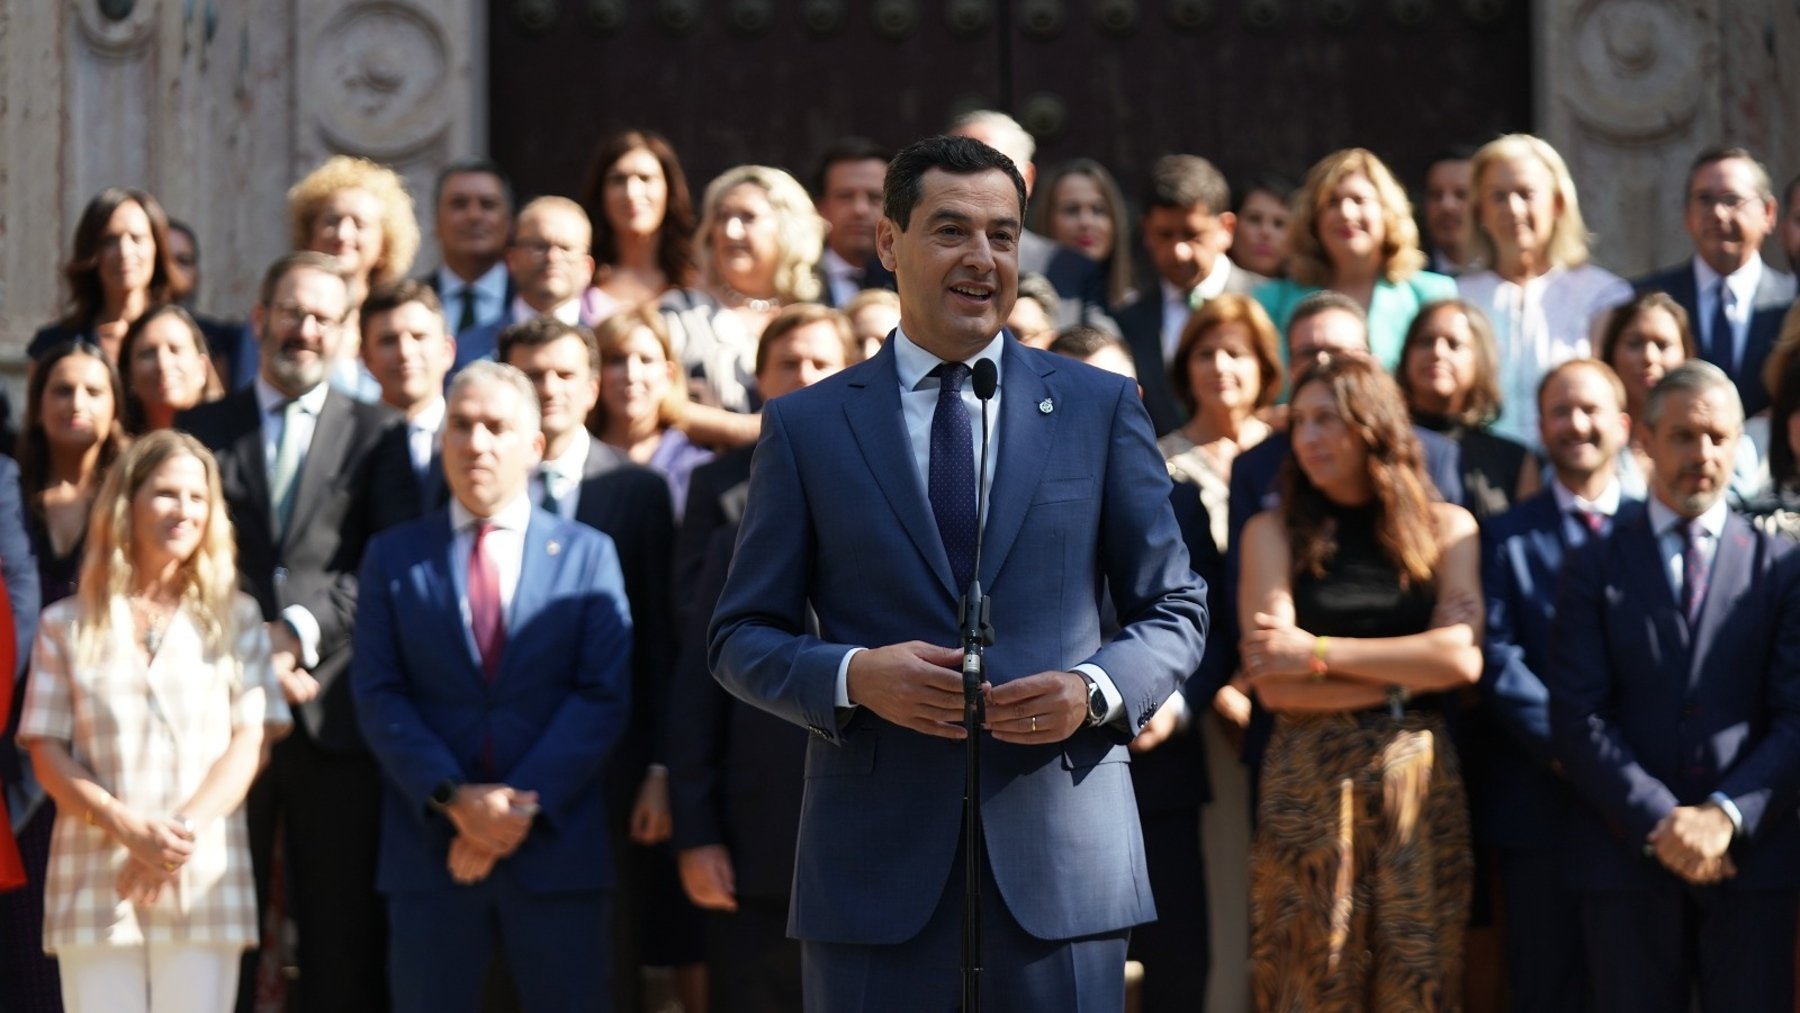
(1185, 181)
(390, 296)
(298, 260)
(1038, 289)
(474, 167)
(1451, 153)
(540, 331)
(959, 156)
(1725, 152)
(846, 149)
(1323, 301)
(1084, 342)
(1263, 181)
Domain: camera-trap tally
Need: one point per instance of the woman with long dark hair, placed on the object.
(643, 215)
(1360, 601)
(120, 267)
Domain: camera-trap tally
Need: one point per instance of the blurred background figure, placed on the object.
(1260, 243)
(167, 368)
(1446, 211)
(643, 219)
(1081, 208)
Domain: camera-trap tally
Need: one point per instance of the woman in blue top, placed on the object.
(1352, 231)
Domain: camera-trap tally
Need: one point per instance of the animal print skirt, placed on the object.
(1360, 871)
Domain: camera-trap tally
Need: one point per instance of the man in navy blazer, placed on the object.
(1674, 683)
(1729, 211)
(493, 641)
(1523, 811)
(841, 518)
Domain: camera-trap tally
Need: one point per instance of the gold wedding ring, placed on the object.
(169, 866)
(1034, 722)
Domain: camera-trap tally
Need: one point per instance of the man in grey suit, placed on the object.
(1187, 227)
(1735, 302)
(309, 475)
(863, 513)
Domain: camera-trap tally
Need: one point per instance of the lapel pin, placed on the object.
(553, 547)
(1046, 406)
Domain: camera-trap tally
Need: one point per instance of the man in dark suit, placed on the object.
(847, 193)
(735, 771)
(1674, 683)
(550, 263)
(585, 480)
(1735, 302)
(474, 203)
(309, 474)
(407, 346)
(1187, 225)
(864, 504)
(490, 675)
(1525, 805)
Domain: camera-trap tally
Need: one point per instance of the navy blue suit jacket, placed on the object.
(838, 520)
(1647, 714)
(1774, 294)
(546, 723)
(1526, 803)
(1141, 324)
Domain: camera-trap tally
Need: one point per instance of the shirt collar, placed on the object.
(514, 516)
(573, 460)
(271, 401)
(491, 282)
(430, 418)
(1606, 504)
(568, 311)
(837, 267)
(1662, 518)
(913, 362)
(1742, 281)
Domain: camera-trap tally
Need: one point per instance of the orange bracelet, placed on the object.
(1317, 664)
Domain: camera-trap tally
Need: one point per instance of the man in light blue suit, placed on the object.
(863, 511)
(491, 681)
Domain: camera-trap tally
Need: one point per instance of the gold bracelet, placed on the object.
(1318, 664)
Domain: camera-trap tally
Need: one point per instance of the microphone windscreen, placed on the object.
(986, 378)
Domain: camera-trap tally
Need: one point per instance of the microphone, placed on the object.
(975, 629)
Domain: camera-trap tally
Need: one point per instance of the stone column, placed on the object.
(1630, 90)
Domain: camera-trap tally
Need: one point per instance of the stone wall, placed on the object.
(218, 105)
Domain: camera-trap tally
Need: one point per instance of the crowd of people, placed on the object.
(330, 694)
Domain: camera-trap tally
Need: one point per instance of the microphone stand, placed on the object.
(977, 634)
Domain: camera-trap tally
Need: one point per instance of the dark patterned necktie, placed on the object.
(1693, 570)
(466, 320)
(952, 472)
(1721, 342)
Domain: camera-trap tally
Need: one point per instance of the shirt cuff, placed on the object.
(1115, 703)
(1730, 809)
(843, 677)
(306, 630)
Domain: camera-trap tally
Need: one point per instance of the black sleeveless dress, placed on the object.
(1360, 871)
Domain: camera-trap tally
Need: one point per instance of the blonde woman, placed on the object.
(1352, 231)
(360, 213)
(758, 246)
(1545, 300)
(151, 697)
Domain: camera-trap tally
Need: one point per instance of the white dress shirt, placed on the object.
(845, 278)
(917, 408)
(569, 466)
(568, 311)
(1742, 283)
(424, 435)
(270, 402)
(489, 289)
(1179, 305)
(505, 545)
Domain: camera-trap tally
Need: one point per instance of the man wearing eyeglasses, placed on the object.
(1734, 301)
(309, 474)
(550, 267)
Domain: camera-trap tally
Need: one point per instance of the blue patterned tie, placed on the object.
(952, 472)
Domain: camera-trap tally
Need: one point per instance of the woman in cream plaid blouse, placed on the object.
(150, 699)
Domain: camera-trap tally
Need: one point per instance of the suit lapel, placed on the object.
(456, 566)
(872, 408)
(541, 550)
(601, 461)
(1643, 567)
(331, 435)
(246, 467)
(1026, 436)
(1732, 566)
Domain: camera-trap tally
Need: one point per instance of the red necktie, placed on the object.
(486, 619)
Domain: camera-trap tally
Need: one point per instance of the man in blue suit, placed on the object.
(1735, 302)
(1523, 811)
(863, 511)
(491, 680)
(1674, 683)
